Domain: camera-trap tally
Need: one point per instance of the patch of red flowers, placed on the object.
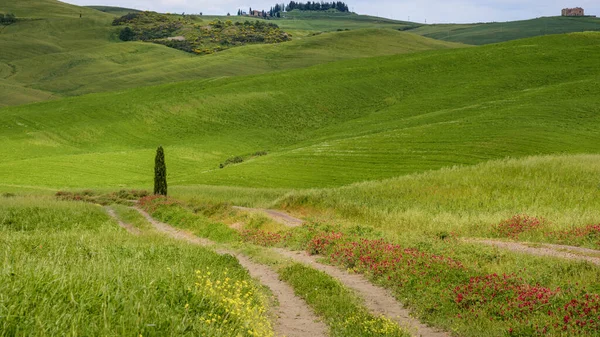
(517, 225)
(580, 315)
(388, 262)
(321, 243)
(578, 236)
(152, 202)
(504, 296)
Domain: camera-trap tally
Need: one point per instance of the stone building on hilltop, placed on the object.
(577, 11)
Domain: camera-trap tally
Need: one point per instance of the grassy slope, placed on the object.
(60, 54)
(118, 11)
(124, 65)
(467, 200)
(484, 33)
(327, 125)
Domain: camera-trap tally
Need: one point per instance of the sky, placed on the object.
(423, 11)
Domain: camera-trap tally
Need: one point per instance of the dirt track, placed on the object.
(378, 300)
(278, 216)
(293, 316)
(128, 227)
(544, 249)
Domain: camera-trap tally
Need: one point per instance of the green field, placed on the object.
(118, 11)
(494, 32)
(327, 125)
(397, 143)
(56, 53)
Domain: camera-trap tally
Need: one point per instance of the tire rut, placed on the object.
(294, 317)
(547, 250)
(278, 216)
(128, 227)
(378, 300)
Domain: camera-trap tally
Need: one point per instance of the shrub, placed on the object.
(127, 34)
(120, 197)
(126, 19)
(233, 160)
(7, 19)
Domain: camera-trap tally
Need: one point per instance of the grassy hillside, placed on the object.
(114, 66)
(61, 54)
(327, 21)
(485, 33)
(467, 201)
(118, 11)
(327, 125)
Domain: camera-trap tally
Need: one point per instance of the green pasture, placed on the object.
(494, 32)
(53, 52)
(323, 126)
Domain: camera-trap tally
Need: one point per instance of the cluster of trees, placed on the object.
(7, 19)
(147, 26)
(317, 6)
(262, 14)
(276, 10)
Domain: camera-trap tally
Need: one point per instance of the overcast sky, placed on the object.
(434, 11)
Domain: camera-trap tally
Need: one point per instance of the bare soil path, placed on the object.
(294, 317)
(128, 227)
(173, 232)
(278, 216)
(544, 249)
(378, 300)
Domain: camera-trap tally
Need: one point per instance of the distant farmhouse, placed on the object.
(577, 11)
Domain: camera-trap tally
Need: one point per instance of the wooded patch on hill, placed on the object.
(189, 33)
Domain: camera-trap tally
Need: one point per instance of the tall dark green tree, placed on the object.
(160, 173)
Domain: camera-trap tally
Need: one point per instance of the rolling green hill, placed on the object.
(327, 125)
(118, 11)
(485, 33)
(56, 53)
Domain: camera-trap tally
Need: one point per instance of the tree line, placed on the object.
(7, 19)
(276, 10)
(316, 6)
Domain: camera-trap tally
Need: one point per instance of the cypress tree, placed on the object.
(160, 173)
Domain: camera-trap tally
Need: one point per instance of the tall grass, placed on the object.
(468, 200)
(67, 269)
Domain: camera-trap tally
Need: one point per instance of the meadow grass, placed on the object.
(494, 32)
(339, 306)
(343, 311)
(324, 126)
(467, 201)
(432, 268)
(176, 214)
(131, 216)
(67, 269)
